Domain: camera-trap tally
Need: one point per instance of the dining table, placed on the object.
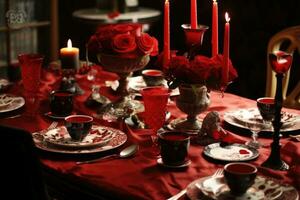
(141, 176)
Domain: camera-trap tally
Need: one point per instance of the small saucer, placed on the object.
(52, 116)
(160, 162)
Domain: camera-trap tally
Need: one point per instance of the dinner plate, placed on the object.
(10, 102)
(98, 135)
(241, 117)
(264, 188)
(231, 152)
(137, 83)
(100, 139)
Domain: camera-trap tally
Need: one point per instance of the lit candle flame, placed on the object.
(69, 43)
(167, 1)
(214, 1)
(227, 18)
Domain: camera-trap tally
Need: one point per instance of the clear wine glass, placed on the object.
(255, 128)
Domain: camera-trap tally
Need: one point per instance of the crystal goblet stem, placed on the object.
(254, 129)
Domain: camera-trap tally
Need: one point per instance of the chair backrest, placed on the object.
(289, 39)
(21, 175)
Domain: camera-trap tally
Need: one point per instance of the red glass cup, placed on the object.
(155, 103)
(153, 77)
(61, 103)
(239, 177)
(78, 126)
(174, 147)
(266, 107)
(31, 65)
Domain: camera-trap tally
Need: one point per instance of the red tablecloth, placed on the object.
(141, 177)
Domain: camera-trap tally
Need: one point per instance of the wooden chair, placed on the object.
(289, 41)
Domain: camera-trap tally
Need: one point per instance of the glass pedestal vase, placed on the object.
(123, 66)
(192, 100)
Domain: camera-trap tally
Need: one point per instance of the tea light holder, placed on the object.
(280, 62)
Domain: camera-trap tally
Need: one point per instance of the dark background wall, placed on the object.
(253, 22)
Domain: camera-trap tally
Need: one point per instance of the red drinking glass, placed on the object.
(31, 65)
(31, 72)
(155, 103)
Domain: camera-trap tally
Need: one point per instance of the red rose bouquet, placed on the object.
(124, 40)
(200, 70)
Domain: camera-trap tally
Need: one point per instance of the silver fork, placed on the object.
(53, 125)
(218, 172)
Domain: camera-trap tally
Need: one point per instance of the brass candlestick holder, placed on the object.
(281, 63)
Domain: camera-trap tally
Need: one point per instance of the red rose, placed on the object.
(201, 67)
(200, 70)
(218, 61)
(145, 43)
(123, 43)
(134, 29)
(104, 32)
(179, 68)
(125, 40)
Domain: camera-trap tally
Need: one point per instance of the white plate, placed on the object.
(263, 189)
(99, 135)
(241, 117)
(231, 152)
(117, 139)
(137, 83)
(16, 103)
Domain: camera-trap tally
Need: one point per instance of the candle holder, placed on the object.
(68, 82)
(193, 38)
(281, 63)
